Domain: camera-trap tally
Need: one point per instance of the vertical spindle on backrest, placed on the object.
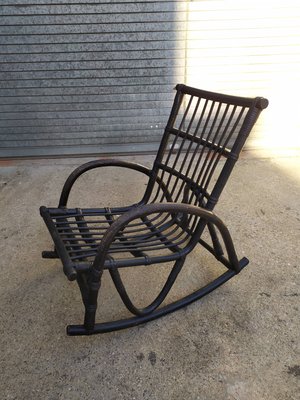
(203, 128)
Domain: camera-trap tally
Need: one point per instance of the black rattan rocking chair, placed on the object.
(201, 144)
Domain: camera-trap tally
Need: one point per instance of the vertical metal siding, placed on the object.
(83, 77)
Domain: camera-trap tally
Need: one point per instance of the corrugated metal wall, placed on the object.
(250, 48)
(84, 77)
(87, 76)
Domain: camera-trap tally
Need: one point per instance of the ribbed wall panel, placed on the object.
(88, 77)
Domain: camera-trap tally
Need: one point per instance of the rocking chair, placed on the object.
(202, 141)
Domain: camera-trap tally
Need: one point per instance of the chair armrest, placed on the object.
(172, 208)
(92, 165)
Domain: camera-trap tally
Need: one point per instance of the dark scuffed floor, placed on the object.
(241, 342)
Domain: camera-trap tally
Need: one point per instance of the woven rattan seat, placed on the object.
(80, 232)
(202, 141)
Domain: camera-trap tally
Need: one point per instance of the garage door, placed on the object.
(82, 77)
(90, 77)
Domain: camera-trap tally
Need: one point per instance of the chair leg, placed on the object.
(90, 301)
(74, 330)
(89, 317)
(158, 300)
(216, 243)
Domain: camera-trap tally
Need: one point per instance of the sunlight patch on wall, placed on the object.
(250, 49)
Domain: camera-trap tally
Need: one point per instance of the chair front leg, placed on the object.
(94, 284)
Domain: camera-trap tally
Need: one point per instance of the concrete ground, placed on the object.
(241, 342)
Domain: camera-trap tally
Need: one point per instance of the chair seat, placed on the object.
(80, 231)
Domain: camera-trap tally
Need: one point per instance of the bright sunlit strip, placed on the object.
(250, 49)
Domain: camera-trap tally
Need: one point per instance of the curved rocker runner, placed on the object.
(202, 141)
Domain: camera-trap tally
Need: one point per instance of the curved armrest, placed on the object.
(171, 208)
(96, 164)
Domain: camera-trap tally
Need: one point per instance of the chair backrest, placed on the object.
(203, 138)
